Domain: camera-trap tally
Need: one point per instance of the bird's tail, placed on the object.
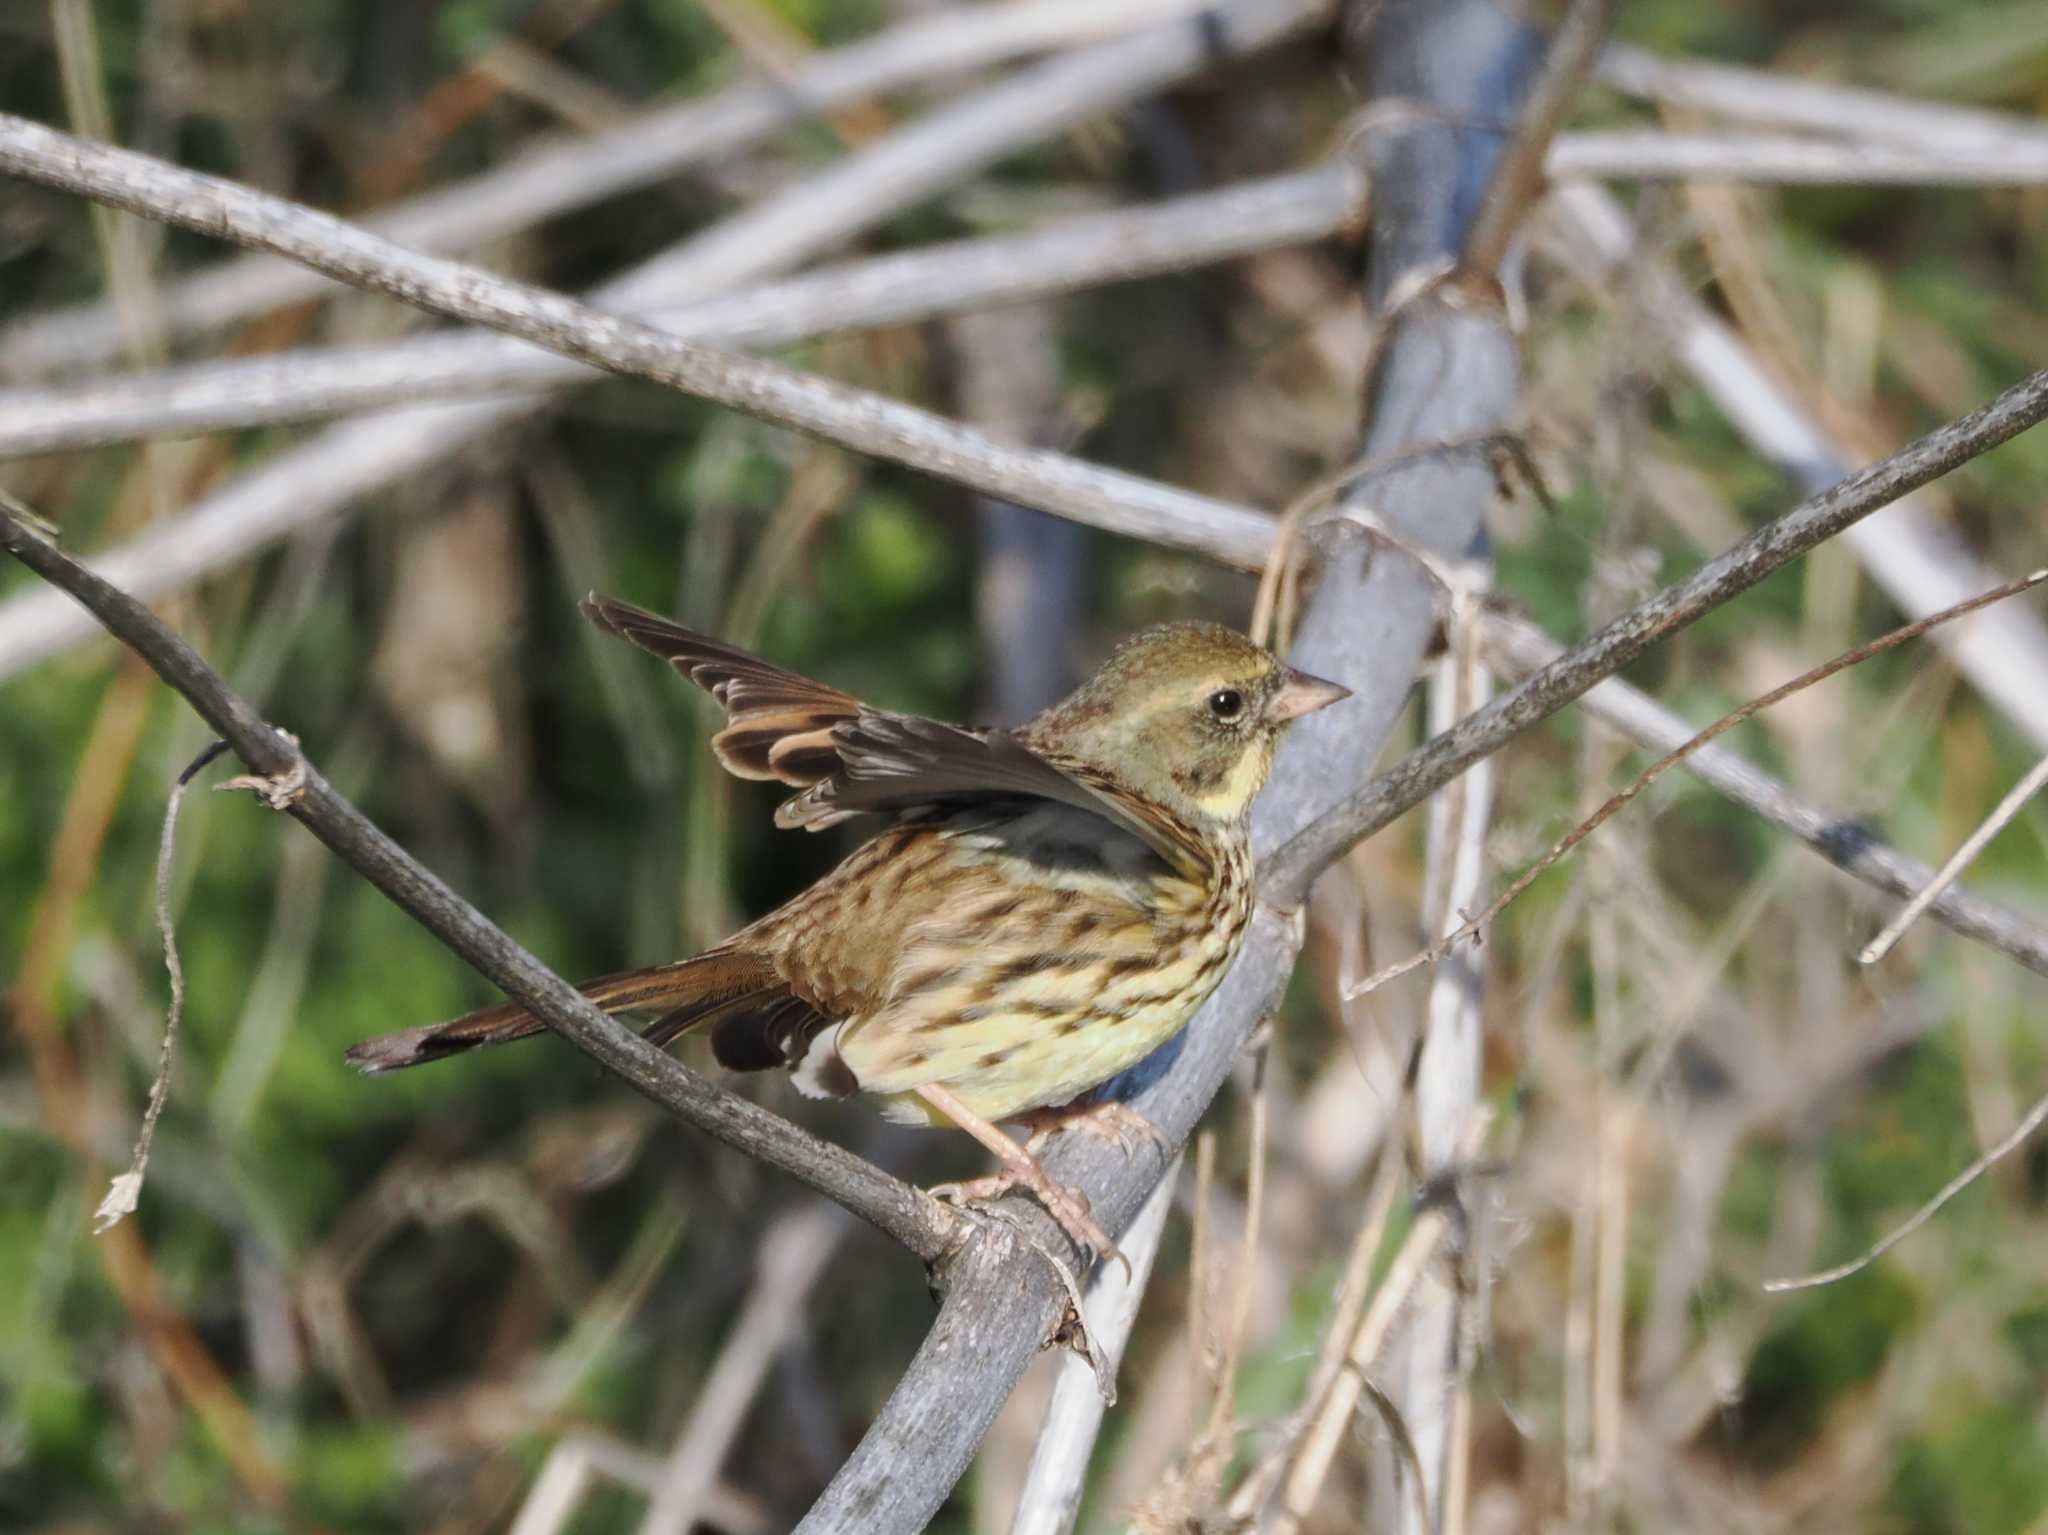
(684, 995)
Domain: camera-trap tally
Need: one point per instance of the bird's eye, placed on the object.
(1226, 703)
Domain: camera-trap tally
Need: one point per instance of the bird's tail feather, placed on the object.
(685, 995)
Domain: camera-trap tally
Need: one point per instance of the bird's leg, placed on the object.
(1117, 1124)
(1020, 1171)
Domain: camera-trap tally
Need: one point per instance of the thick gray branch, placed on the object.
(1366, 625)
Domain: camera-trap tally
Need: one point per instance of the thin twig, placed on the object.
(1613, 805)
(1786, 159)
(1777, 543)
(902, 1212)
(2036, 1117)
(1445, 1085)
(2014, 801)
(126, 1191)
(1352, 1292)
(1245, 1271)
(1517, 181)
(793, 1255)
(1820, 106)
(1850, 846)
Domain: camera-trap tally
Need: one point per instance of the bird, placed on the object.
(1041, 908)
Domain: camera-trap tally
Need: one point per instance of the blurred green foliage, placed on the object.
(356, 1255)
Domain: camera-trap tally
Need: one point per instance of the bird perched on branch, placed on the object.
(1043, 908)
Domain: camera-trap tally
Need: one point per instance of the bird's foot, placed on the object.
(1021, 1170)
(1114, 1124)
(1067, 1206)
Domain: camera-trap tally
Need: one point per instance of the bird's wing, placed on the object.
(778, 724)
(850, 759)
(896, 761)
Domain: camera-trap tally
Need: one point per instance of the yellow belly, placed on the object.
(1084, 968)
(1004, 1060)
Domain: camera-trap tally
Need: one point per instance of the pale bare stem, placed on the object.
(1614, 803)
(2015, 800)
(1577, 1351)
(1819, 106)
(1203, 1355)
(1258, 1486)
(225, 394)
(1245, 1273)
(125, 247)
(1058, 1474)
(577, 1463)
(1217, 1325)
(1311, 1461)
(1610, 1314)
(1776, 159)
(1447, 1072)
(2007, 1144)
(793, 1254)
(1470, 1324)
(126, 1192)
(557, 1492)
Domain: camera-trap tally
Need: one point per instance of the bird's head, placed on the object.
(1188, 714)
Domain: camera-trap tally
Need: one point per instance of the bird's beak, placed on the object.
(1301, 694)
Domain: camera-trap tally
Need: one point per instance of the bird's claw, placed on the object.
(1067, 1206)
(1114, 1124)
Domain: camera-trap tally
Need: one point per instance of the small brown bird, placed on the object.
(1045, 907)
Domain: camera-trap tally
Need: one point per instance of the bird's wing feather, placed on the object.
(778, 724)
(896, 761)
(850, 759)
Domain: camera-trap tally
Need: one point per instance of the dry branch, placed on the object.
(1848, 844)
(237, 393)
(852, 418)
(1812, 522)
(554, 177)
(298, 488)
(892, 1206)
(1635, 154)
